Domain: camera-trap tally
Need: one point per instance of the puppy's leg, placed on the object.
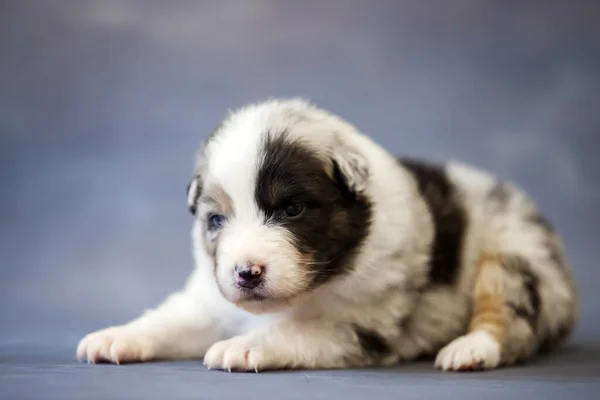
(505, 312)
(181, 327)
(299, 345)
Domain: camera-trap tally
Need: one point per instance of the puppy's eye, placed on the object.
(293, 210)
(215, 221)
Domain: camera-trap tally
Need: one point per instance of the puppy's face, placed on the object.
(277, 215)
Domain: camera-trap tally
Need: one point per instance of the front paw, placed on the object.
(475, 351)
(243, 353)
(117, 345)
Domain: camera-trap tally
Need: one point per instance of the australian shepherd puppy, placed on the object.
(317, 248)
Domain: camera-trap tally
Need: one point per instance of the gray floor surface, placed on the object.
(574, 373)
(104, 102)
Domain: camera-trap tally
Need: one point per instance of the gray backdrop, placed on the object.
(103, 104)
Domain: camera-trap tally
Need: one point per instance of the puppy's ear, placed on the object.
(194, 189)
(351, 168)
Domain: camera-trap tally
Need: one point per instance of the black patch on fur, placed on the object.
(520, 311)
(555, 254)
(335, 221)
(556, 339)
(448, 215)
(530, 311)
(551, 241)
(500, 193)
(192, 207)
(372, 343)
(538, 219)
(532, 287)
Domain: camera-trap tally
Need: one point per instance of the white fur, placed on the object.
(508, 232)
(476, 350)
(303, 329)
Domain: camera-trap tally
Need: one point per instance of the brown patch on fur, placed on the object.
(486, 258)
(220, 203)
(489, 314)
(489, 310)
(211, 247)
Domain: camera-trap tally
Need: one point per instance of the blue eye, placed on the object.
(215, 221)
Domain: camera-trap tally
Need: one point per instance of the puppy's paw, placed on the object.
(243, 353)
(117, 345)
(475, 351)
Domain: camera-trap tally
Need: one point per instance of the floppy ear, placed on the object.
(351, 167)
(194, 189)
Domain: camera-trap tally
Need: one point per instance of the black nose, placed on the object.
(249, 276)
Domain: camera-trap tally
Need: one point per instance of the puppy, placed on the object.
(316, 248)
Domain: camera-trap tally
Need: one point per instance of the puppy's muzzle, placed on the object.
(249, 276)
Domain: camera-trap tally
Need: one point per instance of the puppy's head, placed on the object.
(281, 204)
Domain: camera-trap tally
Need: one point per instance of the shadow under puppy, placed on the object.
(317, 248)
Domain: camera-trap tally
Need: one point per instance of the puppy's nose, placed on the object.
(249, 276)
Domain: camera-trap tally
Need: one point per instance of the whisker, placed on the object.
(318, 262)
